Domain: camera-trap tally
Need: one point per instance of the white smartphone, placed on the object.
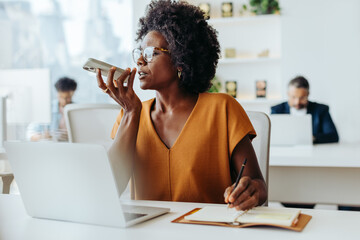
(92, 64)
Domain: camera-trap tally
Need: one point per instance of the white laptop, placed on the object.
(290, 130)
(71, 182)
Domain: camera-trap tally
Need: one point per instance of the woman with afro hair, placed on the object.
(185, 144)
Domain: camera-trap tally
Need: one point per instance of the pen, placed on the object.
(239, 176)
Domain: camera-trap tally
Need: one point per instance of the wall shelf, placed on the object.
(249, 60)
(236, 20)
(260, 104)
(248, 36)
(271, 100)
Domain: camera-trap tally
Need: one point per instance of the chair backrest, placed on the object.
(261, 144)
(90, 123)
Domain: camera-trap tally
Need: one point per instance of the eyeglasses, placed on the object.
(147, 53)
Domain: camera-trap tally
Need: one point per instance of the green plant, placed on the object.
(265, 6)
(215, 85)
(244, 7)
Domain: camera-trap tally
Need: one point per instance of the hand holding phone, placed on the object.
(124, 96)
(92, 64)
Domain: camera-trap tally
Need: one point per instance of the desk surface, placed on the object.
(15, 224)
(324, 173)
(320, 155)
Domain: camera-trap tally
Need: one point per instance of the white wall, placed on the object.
(321, 40)
(6, 44)
(139, 7)
(28, 95)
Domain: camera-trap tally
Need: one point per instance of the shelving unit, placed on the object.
(249, 36)
(249, 60)
(259, 104)
(244, 19)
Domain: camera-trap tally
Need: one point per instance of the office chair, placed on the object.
(91, 123)
(261, 143)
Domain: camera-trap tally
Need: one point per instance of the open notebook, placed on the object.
(286, 217)
(259, 216)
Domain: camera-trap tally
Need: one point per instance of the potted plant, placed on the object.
(215, 85)
(260, 7)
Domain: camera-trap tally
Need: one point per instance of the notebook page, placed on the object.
(215, 214)
(267, 215)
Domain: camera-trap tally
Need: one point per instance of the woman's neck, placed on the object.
(171, 101)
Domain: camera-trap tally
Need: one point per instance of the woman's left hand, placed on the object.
(245, 196)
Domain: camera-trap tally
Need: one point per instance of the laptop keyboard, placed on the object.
(131, 216)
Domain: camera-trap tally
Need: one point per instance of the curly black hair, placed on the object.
(65, 84)
(192, 42)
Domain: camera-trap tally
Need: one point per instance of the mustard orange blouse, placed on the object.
(197, 167)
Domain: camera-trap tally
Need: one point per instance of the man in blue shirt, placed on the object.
(324, 130)
(65, 88)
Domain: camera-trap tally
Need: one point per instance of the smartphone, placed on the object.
(92, 64)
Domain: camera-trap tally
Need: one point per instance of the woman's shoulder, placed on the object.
(219, 98)
(147, 104)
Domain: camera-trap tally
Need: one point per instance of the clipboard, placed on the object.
(303, 220)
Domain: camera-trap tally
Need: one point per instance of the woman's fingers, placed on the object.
(120, 81)
(227, 194)
(115, 83)
(243, 184)
(112, 85)
(244, 196)
(247, 193)
(103, 86)
(123, 95)
(131, 79)
(100, 81)
(249, 203)
(110, 82)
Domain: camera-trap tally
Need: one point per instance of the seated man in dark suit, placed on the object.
(324, 130)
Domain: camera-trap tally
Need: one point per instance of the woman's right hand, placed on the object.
(123, 95)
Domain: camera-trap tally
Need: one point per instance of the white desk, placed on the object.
(325, 173)
(15, 224)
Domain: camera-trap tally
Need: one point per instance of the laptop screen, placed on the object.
(290, 130)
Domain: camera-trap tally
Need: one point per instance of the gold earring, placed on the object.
(179, 74)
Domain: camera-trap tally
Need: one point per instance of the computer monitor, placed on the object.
(28, 95)
(290, 130)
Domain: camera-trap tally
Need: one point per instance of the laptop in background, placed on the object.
(290, 130)
(71, 182)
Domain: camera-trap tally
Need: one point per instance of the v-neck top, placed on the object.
(197, 167)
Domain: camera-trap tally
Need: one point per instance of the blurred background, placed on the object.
(44, 40)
